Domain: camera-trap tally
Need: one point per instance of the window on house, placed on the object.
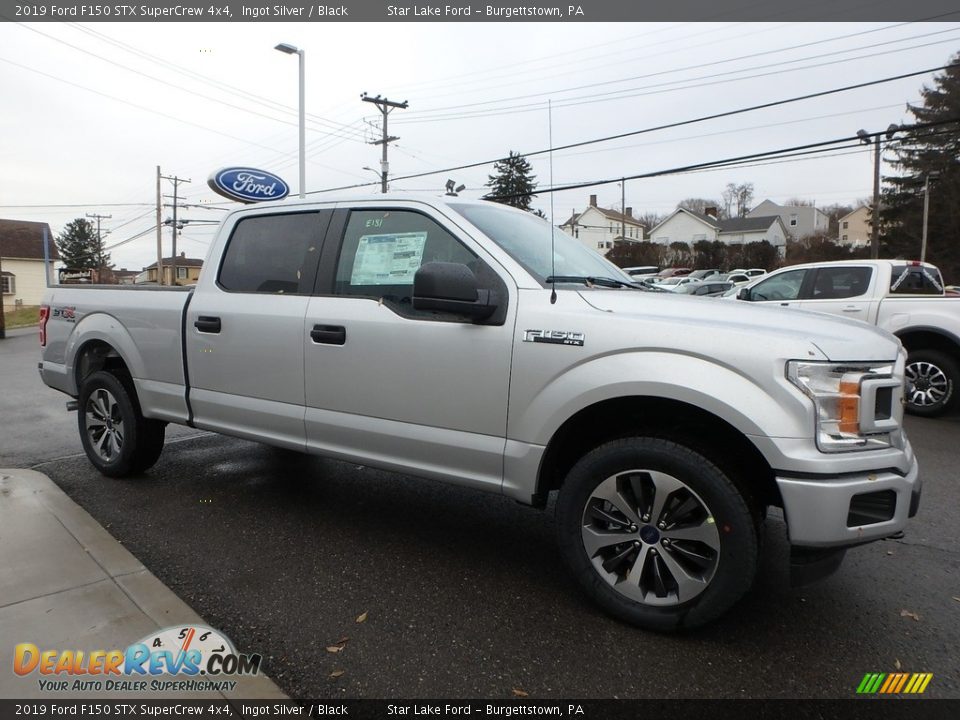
(793, 221)
(599, 246)
(181, 273)
(846, 224)
(844, 237)
(9, 284)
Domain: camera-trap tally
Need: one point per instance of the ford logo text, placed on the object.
(248, 185)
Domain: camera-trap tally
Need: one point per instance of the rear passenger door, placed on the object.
(244, 333)
(422, 392)
(843, 290)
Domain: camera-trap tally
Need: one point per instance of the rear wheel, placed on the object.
(932, 377)
(116, 437)
(656, 534)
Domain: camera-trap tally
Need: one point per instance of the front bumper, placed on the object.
(850, 509)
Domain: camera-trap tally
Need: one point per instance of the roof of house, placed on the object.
(706, 219)
(181, 261)
(23, 239)
(854, 211)
(783, 208)
(748, 224)
(609, 214)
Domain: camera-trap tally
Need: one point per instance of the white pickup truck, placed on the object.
(904, 298)
(474, 344)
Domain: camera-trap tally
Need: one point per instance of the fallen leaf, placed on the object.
(362, 617)
(335, 648)
(343, 641)
(956, 598)
(889, 552)
(907, 613)
(896, 663)
(336, 673)
(517, 692)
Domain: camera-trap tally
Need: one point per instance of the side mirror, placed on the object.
(743, 294)
(452, 288)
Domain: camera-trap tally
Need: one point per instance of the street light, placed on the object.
(926, 212)
(867, 139)
(375, 172)
(293, 50)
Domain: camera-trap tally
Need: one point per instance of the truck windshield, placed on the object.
(526, 238)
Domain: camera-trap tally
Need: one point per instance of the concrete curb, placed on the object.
(67, 584)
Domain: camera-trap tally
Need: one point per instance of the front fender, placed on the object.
(773, 409)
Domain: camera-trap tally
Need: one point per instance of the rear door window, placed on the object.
(837, 283)
(275, 254)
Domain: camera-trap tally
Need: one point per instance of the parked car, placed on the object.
(751, 273)
(641, 271)
(673, 272)
(705, 288)
(905, 298)
(462, 341)
(704, 274)
(735, 278)
(674, 282)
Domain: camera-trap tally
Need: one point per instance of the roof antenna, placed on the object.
(553, 255)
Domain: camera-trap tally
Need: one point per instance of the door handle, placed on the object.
(207, 324)
(851, 309)
(329, 334)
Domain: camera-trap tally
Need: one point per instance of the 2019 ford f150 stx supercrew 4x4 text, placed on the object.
(422, 335)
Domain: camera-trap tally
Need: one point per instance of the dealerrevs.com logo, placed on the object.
(189, 658)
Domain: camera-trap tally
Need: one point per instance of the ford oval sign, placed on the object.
(248, 185)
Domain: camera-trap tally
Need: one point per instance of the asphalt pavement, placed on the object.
(463, 594)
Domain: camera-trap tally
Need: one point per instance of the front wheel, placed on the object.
(932, 377)
(656, 534)
(116, 437)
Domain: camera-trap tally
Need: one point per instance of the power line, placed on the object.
(666, 126)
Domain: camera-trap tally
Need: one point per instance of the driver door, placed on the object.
(784, 288)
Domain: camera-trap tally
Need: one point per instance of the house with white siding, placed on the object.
(23, 274)
(687, 226)
(599, 228)
(800, 220)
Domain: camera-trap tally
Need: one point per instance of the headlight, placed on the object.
(858, 405)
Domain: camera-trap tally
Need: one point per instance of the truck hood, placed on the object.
(838, 339)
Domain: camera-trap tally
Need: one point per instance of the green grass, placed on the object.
(23, 316)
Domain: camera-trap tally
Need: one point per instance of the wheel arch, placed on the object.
(718, 440)
(101, 342)
(930, 338)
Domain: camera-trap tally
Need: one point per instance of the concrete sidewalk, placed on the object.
(67, 584)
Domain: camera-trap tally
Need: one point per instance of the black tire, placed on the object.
(116, 437)
(696, 495)
(932, 378)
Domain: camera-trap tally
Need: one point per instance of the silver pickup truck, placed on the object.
(472, 343)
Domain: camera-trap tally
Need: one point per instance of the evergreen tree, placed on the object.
(921, 154)
(512, 182)
(80, 248)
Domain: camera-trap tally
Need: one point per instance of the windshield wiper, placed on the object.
(591, 280)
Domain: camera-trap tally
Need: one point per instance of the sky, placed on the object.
(88, 111)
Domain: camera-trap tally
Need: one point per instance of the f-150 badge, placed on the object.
(554, 337)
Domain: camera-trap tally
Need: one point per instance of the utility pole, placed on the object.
(926, 213)
(98, 218)
(385, 107)
(159, 232)
(867, 138)
(173, 225)
(623, 209)
(3, 319)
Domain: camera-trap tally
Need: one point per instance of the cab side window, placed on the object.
(273, 254)
(383, 249)
(783, 286)
(837, 283)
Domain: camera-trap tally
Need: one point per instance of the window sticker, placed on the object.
(390, 259)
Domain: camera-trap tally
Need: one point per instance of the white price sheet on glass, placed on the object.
(389, 259)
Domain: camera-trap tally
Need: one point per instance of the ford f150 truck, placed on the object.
(472, 343)
(905, 298)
